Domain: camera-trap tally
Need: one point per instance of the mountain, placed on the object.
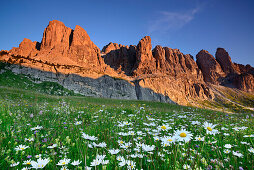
(70, 58)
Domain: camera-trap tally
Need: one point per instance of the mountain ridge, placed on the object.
(164, 70)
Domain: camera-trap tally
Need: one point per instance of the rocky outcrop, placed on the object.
(245, 82)
(210, 68)
(26, 48)
(121, 58)
(225, 62)
(162, 74)
(145, 62)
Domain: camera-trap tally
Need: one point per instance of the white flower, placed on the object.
(183, 135)
(28, 162)
(113, 151)
(29, 139)
(130, 164)
(195, 122)
(186, 166)
(64, 168)
(52, 146)
(75, 163)
(210, 128)
(41, 163)
(14, 164)
(228, 146)
(104, 162)
(198, 138)
(226, 151)
(63, 162)
(248, 136)
(78, 123)
(164, 127)
(237, 154)
(21, 147)
(85, 136)
(251, 150)
(37, 128)
(96, 162)
(147, 148)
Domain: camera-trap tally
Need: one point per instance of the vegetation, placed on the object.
(54, 132)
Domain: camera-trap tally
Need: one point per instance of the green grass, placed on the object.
(21, 110)
(9, 79)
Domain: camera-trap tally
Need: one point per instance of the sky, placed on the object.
(188, 25)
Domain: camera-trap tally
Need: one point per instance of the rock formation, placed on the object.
(210, 68)
(157, 74)
(224, 60)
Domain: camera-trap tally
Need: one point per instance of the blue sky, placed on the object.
(189, 25)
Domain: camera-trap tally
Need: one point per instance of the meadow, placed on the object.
(74, 132)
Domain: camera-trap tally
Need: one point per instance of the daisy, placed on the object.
(28, 162)
(75, 163)
(41, 163)
(29, 139)
(64, 162)
(238, 154)
(21, 147)
(168, 139)
(52, 146)
(228, 146)
(64, 168)
(210, 128)
(183, 135)
(37, 128)
(113, 151)
(164, 127)
(198, 138)
(78, 123)
(226, 151)
(251, 150)
(148, 148)
(14, 164)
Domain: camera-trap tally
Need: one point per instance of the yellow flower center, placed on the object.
(164, 127)
(28, 163)
(121, 142)
(170, 140)
(183, 135)
(199, 138)
(209, 128)
(63, 163)
(22, 148)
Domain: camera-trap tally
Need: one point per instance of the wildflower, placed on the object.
(64, 168)
(251, 150)
(75, 163)
(164, 128)
(28, 162)
(41, 163)
(113, 151)
(199, 138)
(78, 123)
(21, 147)
(37, 128)
(63, 162)
(238, 154)
(183, 135)
(52, 146)
(210, 128)
(226, 151)
(148, 148)
(14, 164)
(228, 146)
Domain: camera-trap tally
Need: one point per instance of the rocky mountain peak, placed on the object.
(210, 68)
(56, 35)
(224, 60)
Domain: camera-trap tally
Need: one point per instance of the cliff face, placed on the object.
(162, 70)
